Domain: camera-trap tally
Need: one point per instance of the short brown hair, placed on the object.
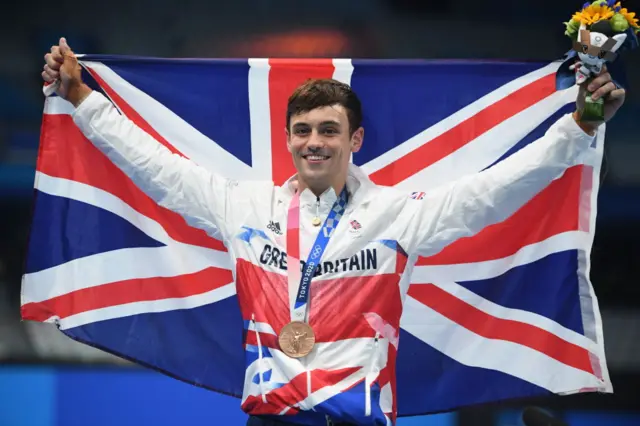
(318, 93)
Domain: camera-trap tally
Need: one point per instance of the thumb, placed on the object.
(64, 47)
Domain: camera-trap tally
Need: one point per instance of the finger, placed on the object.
(582, 91)
(599, 81)
(617, 94)
(51, 72)
(46, 77)
(56, 54)
(51, 62)
(604, 90)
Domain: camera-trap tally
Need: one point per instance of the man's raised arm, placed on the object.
(465, 207)
(174, 182)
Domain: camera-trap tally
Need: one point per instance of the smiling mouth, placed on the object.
(315, 157)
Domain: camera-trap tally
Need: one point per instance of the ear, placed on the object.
(582, 28)
(286, 132)
(357, 139)
(619, 38)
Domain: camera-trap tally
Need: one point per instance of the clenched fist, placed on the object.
(61, 66)
(602, 86)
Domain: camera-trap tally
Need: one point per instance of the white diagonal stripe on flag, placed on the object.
(144, 307)
(473, 350)
(454, 119)
(120, 265)
(519, 315)
(102, 199)
(571, 240)
(184, 137)
(483, 151)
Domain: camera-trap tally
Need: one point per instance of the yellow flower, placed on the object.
(629, 16)
(593, 13)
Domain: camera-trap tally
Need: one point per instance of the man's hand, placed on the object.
(601, 87)
(62, 65)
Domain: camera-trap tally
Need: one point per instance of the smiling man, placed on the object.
(323, 129)
(322, 263)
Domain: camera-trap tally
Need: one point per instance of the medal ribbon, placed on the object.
(303, 278)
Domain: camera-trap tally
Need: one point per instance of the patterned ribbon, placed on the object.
(302, 278)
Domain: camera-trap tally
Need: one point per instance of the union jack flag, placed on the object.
(508, 313)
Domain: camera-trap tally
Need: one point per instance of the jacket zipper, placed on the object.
(260, 369)
(368, 378)
(316, 218)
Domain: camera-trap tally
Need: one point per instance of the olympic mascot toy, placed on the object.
(599, 31)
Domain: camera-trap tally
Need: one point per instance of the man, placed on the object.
(322, 264)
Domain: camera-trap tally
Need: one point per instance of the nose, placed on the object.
(315, 141)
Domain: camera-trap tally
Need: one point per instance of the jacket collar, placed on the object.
(361, 189)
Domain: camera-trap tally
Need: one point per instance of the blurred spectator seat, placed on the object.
(15, 102)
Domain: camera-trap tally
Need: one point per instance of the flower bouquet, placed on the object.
(599, 32)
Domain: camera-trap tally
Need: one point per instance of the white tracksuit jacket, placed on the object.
(358, 291)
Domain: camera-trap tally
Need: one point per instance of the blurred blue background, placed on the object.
(105, 396)
(48, 380)
(50, 396)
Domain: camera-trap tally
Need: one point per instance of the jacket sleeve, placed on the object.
(466, 206)
(174, 182)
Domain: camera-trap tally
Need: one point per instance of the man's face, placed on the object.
(321, 145)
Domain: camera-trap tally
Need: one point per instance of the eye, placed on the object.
(585, 48)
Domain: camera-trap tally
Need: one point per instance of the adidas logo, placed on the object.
(275, 227)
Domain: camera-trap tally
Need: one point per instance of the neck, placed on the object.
(320, 189)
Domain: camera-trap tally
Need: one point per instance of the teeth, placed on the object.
(316, 157)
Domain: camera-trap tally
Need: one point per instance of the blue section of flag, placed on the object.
(213, 95)
(548, 287)
(411, 96)
(455, 382)
(536, 133)
(64, 229)
(210, 355)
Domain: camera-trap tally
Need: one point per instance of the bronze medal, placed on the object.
(296, 339)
